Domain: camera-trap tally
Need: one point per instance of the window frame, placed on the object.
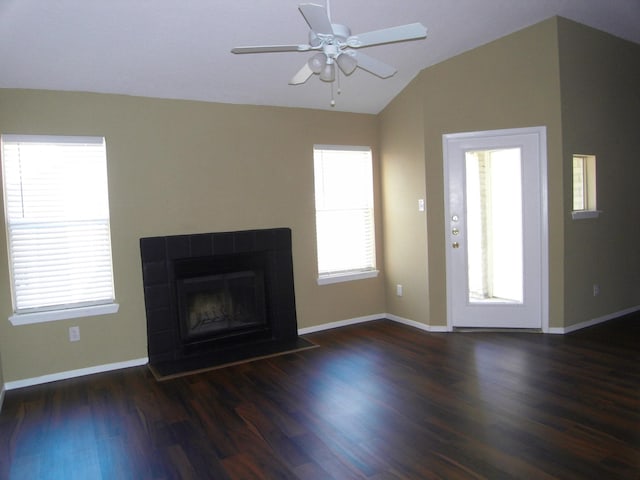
(348, 274)
(77, 308)
(586, 170)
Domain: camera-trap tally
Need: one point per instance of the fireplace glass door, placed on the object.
(221, 305)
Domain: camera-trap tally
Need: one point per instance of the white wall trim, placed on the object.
(27, 382)
(369, 318)
(445, 328)
(346, 277)
(63, 314)
(584, 214)
(340, 323)
(593, 321)
(418, 325)
(2, 392)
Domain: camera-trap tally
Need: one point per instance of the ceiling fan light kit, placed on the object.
(316, 63)
(328, 73)
(334, 44)
(347, 63)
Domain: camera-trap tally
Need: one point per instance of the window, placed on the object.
(584, 187)
(57, 220)
(344, 213)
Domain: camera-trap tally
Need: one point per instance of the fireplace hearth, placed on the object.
(218, 298)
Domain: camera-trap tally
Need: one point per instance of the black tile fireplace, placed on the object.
(218, 298)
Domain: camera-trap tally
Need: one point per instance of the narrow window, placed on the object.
(344, 213)
(57, 221)
(584, 187)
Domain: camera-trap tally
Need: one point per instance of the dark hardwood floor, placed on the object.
(375, 401)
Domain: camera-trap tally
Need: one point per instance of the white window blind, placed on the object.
(344, 210)
(579, 191)
(57, 214)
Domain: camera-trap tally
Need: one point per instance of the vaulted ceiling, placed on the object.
(181, 48)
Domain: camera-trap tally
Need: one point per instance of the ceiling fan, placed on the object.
(334, 44)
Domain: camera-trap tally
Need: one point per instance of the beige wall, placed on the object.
(512, 82)
(184, 167)
(600, 81)
(403, 183)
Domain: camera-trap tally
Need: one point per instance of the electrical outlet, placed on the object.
(399, 290)
(596, 289)
(74, 334)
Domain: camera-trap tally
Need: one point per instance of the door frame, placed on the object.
(543, 212)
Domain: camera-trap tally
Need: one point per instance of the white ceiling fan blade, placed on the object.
(373, 65)
(412, 31)
(271, 48)
(302, 76)
(317, 18)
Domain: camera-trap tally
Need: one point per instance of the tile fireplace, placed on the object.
(218, 298)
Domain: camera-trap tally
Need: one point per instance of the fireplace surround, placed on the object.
(218, 298)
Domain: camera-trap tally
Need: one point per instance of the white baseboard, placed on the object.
(27, 382)
(593, 321)
(444, 328)
(369, 318)
(2, 392)
(418, 325)
(340, 323)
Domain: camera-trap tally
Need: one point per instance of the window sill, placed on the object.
(582, 214)
(63, 314)
(346, 277)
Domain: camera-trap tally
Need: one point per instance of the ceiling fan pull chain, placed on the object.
(333, 101)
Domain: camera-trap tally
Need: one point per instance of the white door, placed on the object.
(496, 228)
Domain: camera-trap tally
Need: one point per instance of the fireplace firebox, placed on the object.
(218, 298)
(222, 305)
